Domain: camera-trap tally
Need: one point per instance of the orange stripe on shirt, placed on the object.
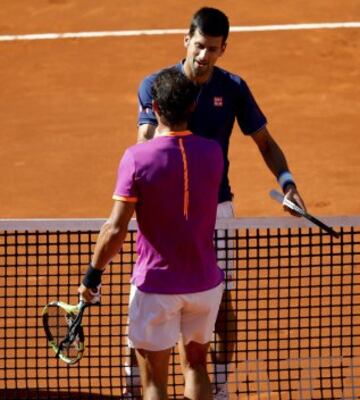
(125, 199)
(186, 179)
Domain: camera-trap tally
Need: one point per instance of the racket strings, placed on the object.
(65, 331)
(59, 322)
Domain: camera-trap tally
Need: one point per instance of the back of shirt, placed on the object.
(175, 180)
(223, 99)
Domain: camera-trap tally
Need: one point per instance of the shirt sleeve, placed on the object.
(249, 115)
(146, 114)
(125, 188)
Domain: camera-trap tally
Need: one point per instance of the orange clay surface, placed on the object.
(68, 108)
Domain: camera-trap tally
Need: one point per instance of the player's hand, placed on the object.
(89, 295)
(293, 195)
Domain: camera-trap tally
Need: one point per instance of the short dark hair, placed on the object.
(174, 94)
(210, 22)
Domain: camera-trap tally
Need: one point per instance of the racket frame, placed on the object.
(76, 310)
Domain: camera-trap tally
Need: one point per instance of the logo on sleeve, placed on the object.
(218, 101)
(145, 110)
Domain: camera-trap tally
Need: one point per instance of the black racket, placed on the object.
(65, 334)
(274, 194)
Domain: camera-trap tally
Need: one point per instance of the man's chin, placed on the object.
(200, 71)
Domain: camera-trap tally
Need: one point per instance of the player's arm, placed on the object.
(276, 162)
(113, 233)
(145, 132)
(147, 122)
(109, 243)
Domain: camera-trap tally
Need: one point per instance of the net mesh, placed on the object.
(294, 329)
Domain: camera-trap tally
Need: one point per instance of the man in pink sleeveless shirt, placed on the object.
(172, 183)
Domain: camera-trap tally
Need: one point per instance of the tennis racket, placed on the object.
(274, 194)
(64, 332)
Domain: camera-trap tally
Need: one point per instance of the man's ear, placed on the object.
(186, 40)
(155, 107)
(223, 48)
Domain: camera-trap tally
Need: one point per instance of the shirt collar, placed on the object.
(178, 133)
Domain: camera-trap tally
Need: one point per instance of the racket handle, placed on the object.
(275, 195)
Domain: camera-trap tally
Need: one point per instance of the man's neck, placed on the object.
(199, 80)
(165, 129)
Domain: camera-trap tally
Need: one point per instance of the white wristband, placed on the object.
(285, 178)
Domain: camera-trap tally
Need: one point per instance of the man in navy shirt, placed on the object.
(222, 98)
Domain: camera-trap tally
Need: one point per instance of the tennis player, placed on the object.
(172, 183)
(222, 98)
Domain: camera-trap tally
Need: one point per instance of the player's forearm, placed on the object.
(276, 162)
(271, 152)
(113, 233)
(108, 244)
(145, 132)
(274, 158)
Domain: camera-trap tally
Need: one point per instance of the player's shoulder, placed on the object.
(134, 154)
(138, 150)
(208, 143)
(231, 83)
(139, 147)
(149, 79)
(224, 75)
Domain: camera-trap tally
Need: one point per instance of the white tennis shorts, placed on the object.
(157, 320)
(225, 254)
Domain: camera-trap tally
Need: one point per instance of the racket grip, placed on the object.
(277, 196)
(96, 295)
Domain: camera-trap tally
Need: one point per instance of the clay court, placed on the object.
(69, 108)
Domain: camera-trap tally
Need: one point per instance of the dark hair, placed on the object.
(210, 22)
(174, 94)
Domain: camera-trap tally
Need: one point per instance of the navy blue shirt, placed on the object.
(222, 99)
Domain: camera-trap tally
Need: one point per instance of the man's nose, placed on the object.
(203, 55)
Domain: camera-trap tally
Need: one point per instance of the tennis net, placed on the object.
(295, 295)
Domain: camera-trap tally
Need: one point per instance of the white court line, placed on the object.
(153, 32)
